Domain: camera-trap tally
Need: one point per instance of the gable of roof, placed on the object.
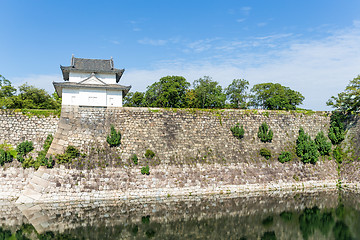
(92, 80)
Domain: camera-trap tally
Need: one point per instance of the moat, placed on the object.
(274, 215)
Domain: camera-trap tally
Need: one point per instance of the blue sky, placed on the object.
(310, 46)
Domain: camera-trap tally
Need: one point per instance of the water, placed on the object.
(321, 215)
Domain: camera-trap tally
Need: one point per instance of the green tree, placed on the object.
(7, 91)
(170, 91)
(208, 93)
(135, 99)
(33, 98)
(349, 100)
(306, 148)
(236, 93)
(274, 96)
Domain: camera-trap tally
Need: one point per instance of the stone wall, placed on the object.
(16, 127)
(183, 135)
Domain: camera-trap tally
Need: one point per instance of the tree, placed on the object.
(6, 92)
(135, 99)
(349, 100)
(236, 93)
(170, 91)
(208, 93)
(274, 96)
(33, 98)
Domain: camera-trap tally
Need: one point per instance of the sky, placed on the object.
(310, 46)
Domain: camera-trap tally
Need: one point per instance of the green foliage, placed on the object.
(274, 96)
(149, 154)
(336, 130)
(23, 149)
(7, 153)
(134, 158)
(114, 139)
(136, 99)
(268, 236)
(265, 133)
(285, 156)
(323, 146)
(312, 219)
(286, 216)
(41, 159)
(266, 153)
(236, 93)
(237, 131)
(349, 100)
(338, 154)
(145, 170)
(70, 153)
(169, 92)
(306, 148)
(208, 93)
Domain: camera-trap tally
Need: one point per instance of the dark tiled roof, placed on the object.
(92, 66)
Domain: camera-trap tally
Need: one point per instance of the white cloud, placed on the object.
(153, 42)
(318, 68)
(39, 81)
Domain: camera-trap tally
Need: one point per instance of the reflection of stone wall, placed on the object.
(16, 127)
(183, 135)
(213, 217)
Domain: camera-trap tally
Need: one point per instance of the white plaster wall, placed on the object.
(92, 97)
(114, 98)
(70, 96)
(78, 77)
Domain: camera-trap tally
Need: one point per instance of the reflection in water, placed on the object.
(289, 216)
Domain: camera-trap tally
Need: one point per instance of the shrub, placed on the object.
(237, 131)
(5, 157)
(265, 134)
(266, 153)
(23, 149)
(306, 148)
(114, 139)
(338, 154)
(149, 154)
(336, 131)
(70, 153)
(323, 146)
(7, 153)
(285, 157)
(134, 158)
(145, 170)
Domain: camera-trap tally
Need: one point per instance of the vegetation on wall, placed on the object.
(145, 170)
(71, 153)
(266, 153)
(149, 154)
(7, 153)
(114, 139)
(337, 129)
(134, 159)
(285, 156)
(23, 149)
(238, 131)
(306, 148)
(323, 145)
(265, 133)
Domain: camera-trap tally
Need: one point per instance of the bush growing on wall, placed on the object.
(149, 154)
(306, 148)
(70, 153)
(338, 154)
(336, 130)
(265, 133)
(266, 153)
(237, 131)
(114, 139)
(285, 157)
(134, 158)
(145, 170)
(323, 146)
(7, 153)
(23, 149)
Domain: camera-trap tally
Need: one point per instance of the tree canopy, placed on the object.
(29, 97)
(170, 91)
(236, 93)
(274, 96)
(348, 100)
(135, 99)
(208, 93)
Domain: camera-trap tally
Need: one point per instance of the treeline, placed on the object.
(177, 92)
(28, 97)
